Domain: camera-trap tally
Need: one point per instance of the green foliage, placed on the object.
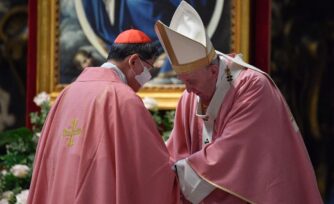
(164, 121)
(17, 148)
(14, 184)
(37, 119)
(12, 135)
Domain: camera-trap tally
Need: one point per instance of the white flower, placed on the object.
(22, 197)
(4, 172)
(20, 170)
(7, 194)
(150, 103)
(4, 201)
(41, 98)
(38, 134)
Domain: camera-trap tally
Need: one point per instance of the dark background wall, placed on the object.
(302, 59)
(13, 50)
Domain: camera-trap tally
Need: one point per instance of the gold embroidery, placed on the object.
(71, 132)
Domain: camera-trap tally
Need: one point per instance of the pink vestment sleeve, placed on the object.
(178, 144)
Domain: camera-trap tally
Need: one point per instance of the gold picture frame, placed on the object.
(166, 95)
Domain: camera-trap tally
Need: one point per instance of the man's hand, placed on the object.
(193, 187)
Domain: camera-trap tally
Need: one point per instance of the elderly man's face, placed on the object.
(202, 82)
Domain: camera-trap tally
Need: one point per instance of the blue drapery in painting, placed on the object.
(139, 14)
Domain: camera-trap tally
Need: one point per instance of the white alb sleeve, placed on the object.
(193, 187)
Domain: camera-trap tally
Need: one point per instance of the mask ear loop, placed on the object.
(144, 76)
(133, 63)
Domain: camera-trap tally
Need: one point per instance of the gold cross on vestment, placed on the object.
(71, 132)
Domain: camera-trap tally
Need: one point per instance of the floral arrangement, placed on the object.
(37, 119)
(17, 151)
(163, 118)
(17, 148)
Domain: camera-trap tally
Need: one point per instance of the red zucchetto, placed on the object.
(132, 36)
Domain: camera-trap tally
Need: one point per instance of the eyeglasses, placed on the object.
(151, 65)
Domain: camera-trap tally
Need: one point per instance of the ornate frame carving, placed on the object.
(166, 95)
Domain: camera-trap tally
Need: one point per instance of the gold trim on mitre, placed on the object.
(187, 67)
(192, 66)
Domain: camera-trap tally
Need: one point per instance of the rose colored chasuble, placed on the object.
(257, 154)
(100, 145)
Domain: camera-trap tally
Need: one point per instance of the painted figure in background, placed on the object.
(234, 138)
(84, 58)
(102, 20)
(13, 52)
(6, 119)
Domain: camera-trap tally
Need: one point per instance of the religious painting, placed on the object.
(13, 44)
(83, 31)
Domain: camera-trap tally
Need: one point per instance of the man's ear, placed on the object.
(214, 68)
(132, 59)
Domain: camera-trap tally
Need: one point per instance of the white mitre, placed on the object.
(185, 40)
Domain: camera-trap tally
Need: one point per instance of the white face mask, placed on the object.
(143, 77)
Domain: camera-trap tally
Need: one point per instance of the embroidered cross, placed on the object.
(71, 132)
